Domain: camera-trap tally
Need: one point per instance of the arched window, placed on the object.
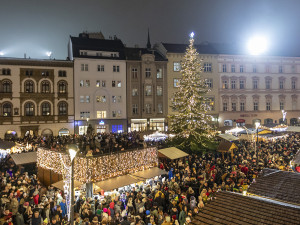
(7, 109)
(6, 86)
(62, 108)
(29, 86)
(45, 87)
(62, 87)
(46, 109)
(29, 109)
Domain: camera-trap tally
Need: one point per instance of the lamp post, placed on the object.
(72, 151)
(257, 124)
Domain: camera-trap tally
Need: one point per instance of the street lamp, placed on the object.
(257, 124)
(73, 149)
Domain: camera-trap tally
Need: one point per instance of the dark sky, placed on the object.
(37, 26)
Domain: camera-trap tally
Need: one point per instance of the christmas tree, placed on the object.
(190, 124)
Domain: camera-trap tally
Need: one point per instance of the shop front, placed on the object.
(152, 124)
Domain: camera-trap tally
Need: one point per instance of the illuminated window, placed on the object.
(176, 82)
(148, 108)
(209, 83)
(134, 92)
(159, 74)
(159, 108)
(7, 108)
(101, 114)
(176, 66)
(45, 87)
(119, 84)
(29, 109)
(62, 87)
(101, 99)
(159, 90)
(62, 108)
(148, 90)
(45, 109)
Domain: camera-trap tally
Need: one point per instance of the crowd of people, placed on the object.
(177, 198)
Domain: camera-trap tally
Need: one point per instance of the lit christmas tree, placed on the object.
(190, 124)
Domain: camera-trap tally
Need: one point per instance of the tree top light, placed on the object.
(192, 35)
(257, 45)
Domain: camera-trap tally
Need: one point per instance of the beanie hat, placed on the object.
(147, 212)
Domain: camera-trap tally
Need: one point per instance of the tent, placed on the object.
(24, 158)
(171, 153)
(228, 137)
(60, 184)
(293, 129)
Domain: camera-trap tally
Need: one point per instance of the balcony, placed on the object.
(5, 95)
(62, 95)
(42, 96)
(5, 119)
(37, 119)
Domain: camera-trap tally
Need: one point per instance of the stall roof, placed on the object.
(149, 173)
(6, 144)
(60, 184)
(228, 137)
(293, 129)
(117, 182)
(226, 146)
(171, 153)
(24, 158)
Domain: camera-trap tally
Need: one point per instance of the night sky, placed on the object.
(36, 26)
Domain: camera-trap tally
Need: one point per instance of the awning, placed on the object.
(149, 173)
(117, 182)
(265, 132)
(228, 137)
(24, 158)
(171, 153)
(293, 129)
(60, 184)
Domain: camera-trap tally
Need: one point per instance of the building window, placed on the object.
(159, 90)
(280, 69)
(87, 83)
(62, 73)
(6, 85)
(148, 90)
(116, 68)
(81, 98)
(62, 87)
(293, 84)
(84, 115)
(225, 108)
(28, 72)
(45, 87)
(7, 108)
(87, 99)
(81, 83)
(233, 106)
(159, 108)
(113, 83)
(117, 128)
(116, 99)
(232, 68)
(6, 72)
(268, 84)
(242, 84)
(225, 84)
(241, 68)
(148, 72)
(134, 109)
(159, 74)
(281, 84)
(45, 73)
(176, 82)
(176, 66)
(255, 84)
(46, 109)
(233, 84)
(98, 83)
(84, 67)
(254, 69)
(29, 109)
(210, 102)
(101, 114)
(281, 105)
(207, 67)
(148, 108)
(100, 68)
(119, 84)
(242, 106)
(255, 106)
(134, 92)
(268, 106)
(62, 108)
(209, 83)
(116, 113)
(101, 99)
(134, 73)
(224, 68)
(29, 86)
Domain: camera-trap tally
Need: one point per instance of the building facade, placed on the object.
(147, 100)
(99, 83)
(258, 89)
(36, 97)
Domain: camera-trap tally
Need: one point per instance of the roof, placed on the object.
(60, 184)
(226, 146)
(24, 158)
(172, 153)
(6, 144)
(277, 184)
(149, 173)
(85, 43)
(205, 48)
(228, 137)
(36, 62)
(136, 53)
(232, 208)
(293, 129)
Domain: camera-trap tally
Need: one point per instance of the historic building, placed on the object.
(258, 89)
(99, 83)
(175, 53)
(147, 94)
(36, 97)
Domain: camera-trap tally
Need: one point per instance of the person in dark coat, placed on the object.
(36, 219)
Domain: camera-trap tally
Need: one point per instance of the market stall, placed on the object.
(171, 153)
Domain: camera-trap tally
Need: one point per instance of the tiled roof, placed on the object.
(231, 208)
(181, 48)
(136, 53)
(277, 184)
